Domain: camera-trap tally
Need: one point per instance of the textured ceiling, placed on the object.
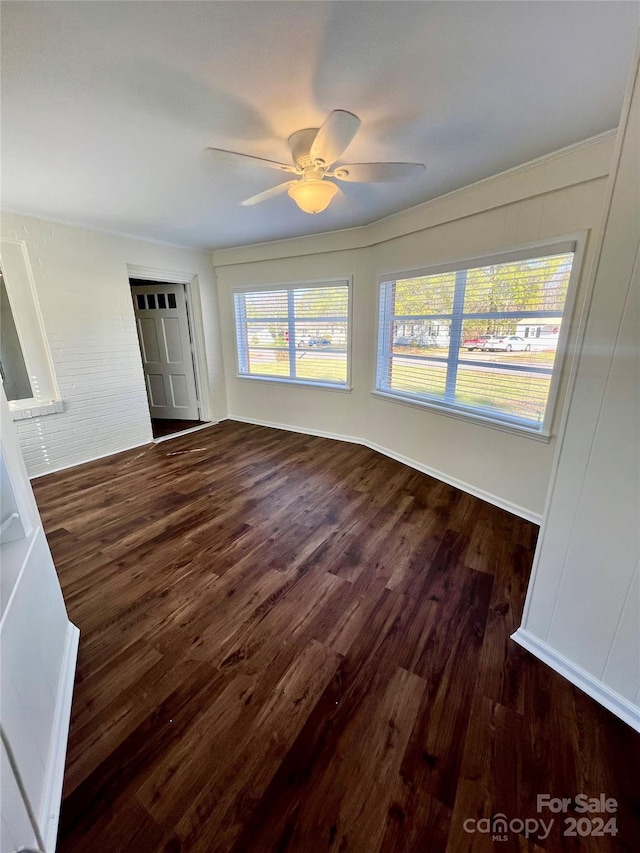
(107, 107)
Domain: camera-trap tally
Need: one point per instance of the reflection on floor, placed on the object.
(162, 426)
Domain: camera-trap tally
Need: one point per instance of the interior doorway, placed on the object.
(166, 347)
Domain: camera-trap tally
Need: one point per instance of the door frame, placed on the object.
(196, 325)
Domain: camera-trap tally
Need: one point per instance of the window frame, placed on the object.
(18, 278)
(18, 375)
(292, 285)
(575, 242)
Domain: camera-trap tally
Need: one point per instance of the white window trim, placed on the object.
(575, 242)
(296, 383)
(460, 415)
(298, 284)
(27, 316)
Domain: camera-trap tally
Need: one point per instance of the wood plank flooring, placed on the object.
(295, 644)
(166, 426)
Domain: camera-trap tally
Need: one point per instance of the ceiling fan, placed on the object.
(314, 152)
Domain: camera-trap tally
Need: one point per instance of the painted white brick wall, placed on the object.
(82, 286)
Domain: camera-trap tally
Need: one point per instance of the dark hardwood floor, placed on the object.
(295, 644)
(167, 426)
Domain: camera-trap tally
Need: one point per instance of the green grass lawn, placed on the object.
(514, 394)
(323, 367)
(522, 396)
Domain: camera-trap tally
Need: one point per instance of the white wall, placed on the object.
(555, 196)
(583, 606)
(81, 281)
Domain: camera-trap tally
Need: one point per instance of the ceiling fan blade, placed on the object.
(256, 199)
(334, 136)
(249, 160)
(378, 172)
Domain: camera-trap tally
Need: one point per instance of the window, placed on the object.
(27, 369)
(296, 333)
(13, 369)
(479, 341)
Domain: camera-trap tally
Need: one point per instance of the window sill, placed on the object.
(303, 383)
(25, 410)
(477, 419)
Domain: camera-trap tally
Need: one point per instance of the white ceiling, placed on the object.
(107, 107)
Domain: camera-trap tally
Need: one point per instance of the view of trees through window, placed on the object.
(483, 338)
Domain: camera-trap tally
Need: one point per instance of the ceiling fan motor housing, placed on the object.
(300, 144)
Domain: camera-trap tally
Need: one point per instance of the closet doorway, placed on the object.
(166, 347)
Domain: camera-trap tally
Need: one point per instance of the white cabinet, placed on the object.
(16, 829)
(38, 648)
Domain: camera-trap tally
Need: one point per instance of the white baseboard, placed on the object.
(52, 795)
(520, 511)
(304, 431)
(598, 690)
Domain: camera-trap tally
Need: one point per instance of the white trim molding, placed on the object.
(594, 687)
(52, 798)
(573, 244)
(196, 325)
(27, 315)
(39, 410)
(291, 287)
(543, 173)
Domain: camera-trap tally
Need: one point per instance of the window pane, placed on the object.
(162, 302)
(321, 302)
(421, 336)
(539, 284)
(321, 335)
(432, 294)
(495, 347)
(269, 335)
(12, 364)
(418, 376)
(141, 303)
(266, 303)
(316, 318)
(268, 361)
(541, 358)
(322, 366)
(151, 301)
(518, 394)
(172, 300)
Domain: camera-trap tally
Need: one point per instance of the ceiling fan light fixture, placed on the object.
(314, 151)
(312, 196)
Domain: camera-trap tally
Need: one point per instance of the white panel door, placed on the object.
(165, 344)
